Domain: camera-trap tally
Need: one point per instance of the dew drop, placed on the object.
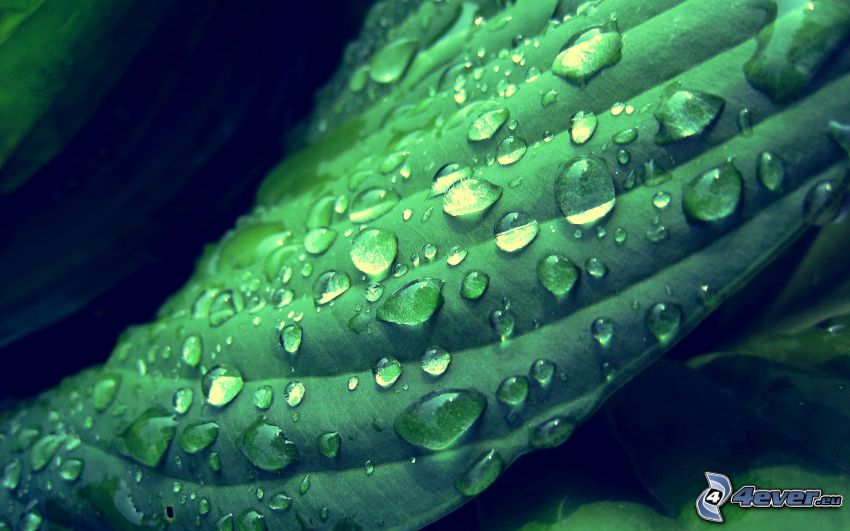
(221, 384)
(470, 196)
(713, 195)
(514, 231)
(386, 371)
(439, 419)
(585, 191)
(557, 274)
(685, 113)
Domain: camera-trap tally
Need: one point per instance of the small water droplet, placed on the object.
(329, 286)
(182, 400)
(587, 53)
(474, 285)
(713, 195)
(582, 126)
(513, 391)
(221, 384)
(557, 274)
(371, 204)
(480, 474)
(263, 397)
(552, 433)
(771, 172)
(486, 124)
(435, 361)
(319, 240)
(198, 436)
(387, 371)
(510, 150)
(412, 304)
(446, 176)
(149, 436)
(685, 113)
(439, 419)
(329, 444)
(585, 191)
(266, 447)
(470, 196)
(596, 268)
(602, 330)
(663, 320)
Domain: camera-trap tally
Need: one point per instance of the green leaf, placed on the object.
(654, 242)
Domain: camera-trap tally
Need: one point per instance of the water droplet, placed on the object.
(822, 203)
(412, 304)
(192, 351)
(148, 437)
(198, 436)
(514, 231)
(319, 240)
(502, 322)
(456, 255)
(182, 400)
(511, 150)
(293, 394)
(623, 157)
(661, 200)
(713, 195)
(596, 268)
(389, 63)
(71, 469)
(486, 124)
(12, 474)
(290, 338)
(387, 371)
(304, 486)
(513, 391)
(685, 113)
(541, 371)
(251, 520)
(329, 286)
(373, 251)
(368, 467)
(587, 53)
(654, 174)
(105, 390)
(585, 191)
(557, 274)
(280, 502)
(221, 384)
(374, 291)
(745, 122)
(602, 330)
(552, 433)
(266, 446)
(372, 203)
(549, 97)
(480, 474)
(470, 196)
(663, 321)
(771, 172)
(435, 361)
(43, 451)
(447, 176)
(437, 420)
(582, 126)
(224, 306)
(353, 382)
(474, 285)
(263, 397)
(626, 136)
(793, 48)
(329, 443)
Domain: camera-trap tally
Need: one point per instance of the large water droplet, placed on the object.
(198, 436)
(486, 124)
(372, 203)
(447, 176)
(587, 53)
(585, 191)
(480, 474)
(437, 420)
(435, 361)
(329, 286)
(557, 274)
(149, 436)
(663, 321)
(266, 446)
(793, 48)
(470, 196)
(221, 384)
(685, 113)
(713, 195)
(514, 231)
(389, 63)
(387, 371)
(413, 303)
(373, 251)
